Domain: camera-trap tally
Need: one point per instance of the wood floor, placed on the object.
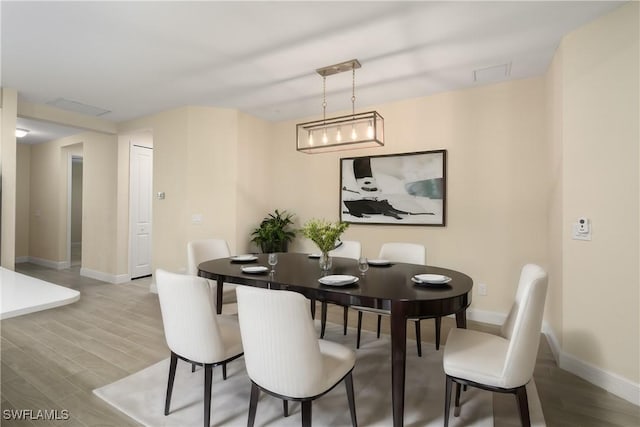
(54, 359)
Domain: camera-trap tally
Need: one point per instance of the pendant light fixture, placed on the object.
(361, 130)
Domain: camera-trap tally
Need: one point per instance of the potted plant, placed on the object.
(325, 235)
(274, 232)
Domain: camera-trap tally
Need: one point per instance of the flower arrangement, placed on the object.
(323, 233)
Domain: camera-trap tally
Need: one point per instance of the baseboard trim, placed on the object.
(105, 277)
(609, 381)
(490, 317)
(21, 259)
(56, 265)
(613, 383)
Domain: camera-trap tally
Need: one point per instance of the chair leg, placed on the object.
(224, 371)
(359, 327)
(285, 407)
(208, 381)
(456, 411)
(193, 367)
(306, 413)
(323, 318)
(379, 323)
(253, 404)
(348, 382)
(523, 406)
(438, 326)
(172, 376)
(313, 309)
(418, 338)
(345, 316)
(447, 400)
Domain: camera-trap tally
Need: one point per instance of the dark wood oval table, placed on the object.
(389, 287)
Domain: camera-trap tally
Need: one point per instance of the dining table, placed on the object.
(388, 286)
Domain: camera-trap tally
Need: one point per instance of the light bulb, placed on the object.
(338, 135)
(310, 138)
(324, 137)
(354, 135)
(370, 130)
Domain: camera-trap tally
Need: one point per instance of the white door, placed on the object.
(141, 182)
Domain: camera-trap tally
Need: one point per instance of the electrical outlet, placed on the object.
(482, 289)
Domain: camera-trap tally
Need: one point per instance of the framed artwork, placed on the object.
(402, 189)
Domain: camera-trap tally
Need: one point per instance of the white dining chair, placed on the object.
(194, 332)
(348, 249)
(199, 251)
(411, 253)
(500, 363)
(283, 356)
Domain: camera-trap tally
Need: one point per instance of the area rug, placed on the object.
(141, 395)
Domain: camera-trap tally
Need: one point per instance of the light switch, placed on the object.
(196, 219)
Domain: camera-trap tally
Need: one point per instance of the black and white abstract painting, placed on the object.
(406, 189)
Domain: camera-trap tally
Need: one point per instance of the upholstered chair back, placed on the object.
(411, 253)
(282, 353)
(348, 249)
(189, 317)
(203, 250)
(523, 325)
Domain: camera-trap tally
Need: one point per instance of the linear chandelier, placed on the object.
(361, 130)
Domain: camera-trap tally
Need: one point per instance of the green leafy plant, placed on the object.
(323, 233)
(274, 232)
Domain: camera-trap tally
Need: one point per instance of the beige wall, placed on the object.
(8, 170)
(48, 200)
(553, 108)
(601, 280)
(205, 163)
(253, 192)
(496, 182)
(23, 182)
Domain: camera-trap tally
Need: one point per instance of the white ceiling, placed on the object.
(138, 58)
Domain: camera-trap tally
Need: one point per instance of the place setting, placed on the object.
(338, 280)
(243, 258)
(431, 280)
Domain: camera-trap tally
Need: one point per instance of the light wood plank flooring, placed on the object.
(54, 359)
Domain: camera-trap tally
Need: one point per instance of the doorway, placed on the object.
(75, 212)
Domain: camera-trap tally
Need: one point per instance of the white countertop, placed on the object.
(21, 294)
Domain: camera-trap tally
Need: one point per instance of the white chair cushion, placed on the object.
(230, 334)
(475, 356)
(282, 350)
(337, 361)
(191, 327)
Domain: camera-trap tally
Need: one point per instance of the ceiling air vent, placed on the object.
(495, 73)
(77, 107)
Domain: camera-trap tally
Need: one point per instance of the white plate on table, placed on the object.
(244, 258)
(338, 280)
(255, 269)
(314, 255)
(379, 262)
(431, 279)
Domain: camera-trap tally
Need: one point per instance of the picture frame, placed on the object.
(394, 189)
